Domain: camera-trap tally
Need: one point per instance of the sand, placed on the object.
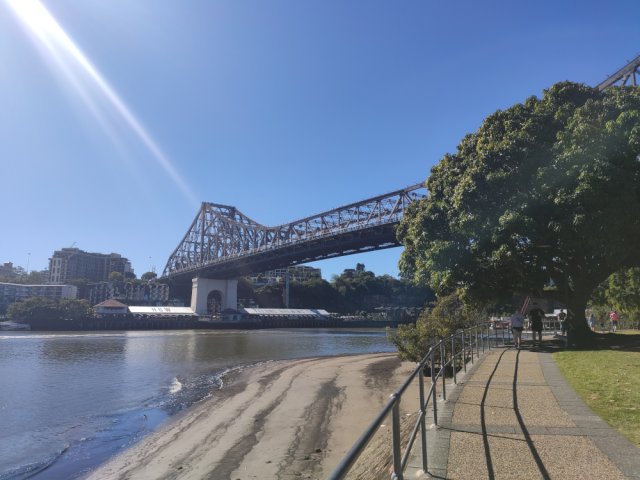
(278, 420)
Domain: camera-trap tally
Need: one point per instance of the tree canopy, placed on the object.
(543, 199)
(353, 291)
(620, 292)
(41, 308)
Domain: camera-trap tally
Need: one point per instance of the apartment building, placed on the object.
(72, 263)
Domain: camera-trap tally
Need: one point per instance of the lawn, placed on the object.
(608, 380)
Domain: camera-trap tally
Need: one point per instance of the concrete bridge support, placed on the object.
(202, 287)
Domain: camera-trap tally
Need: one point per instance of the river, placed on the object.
(71, 400)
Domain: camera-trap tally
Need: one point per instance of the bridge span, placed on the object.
(224, 243)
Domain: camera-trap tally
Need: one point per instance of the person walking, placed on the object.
(592, 322)
(613, 316)
(563, 322)
(517, 324)
(536, 316)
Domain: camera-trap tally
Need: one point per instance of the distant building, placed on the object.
(111, 307)
(7, 270)
(72, 263)
(349, 273)
(15, 292)
(149, 293)
(300, 273)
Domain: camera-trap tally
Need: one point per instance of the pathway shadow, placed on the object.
(523, 427)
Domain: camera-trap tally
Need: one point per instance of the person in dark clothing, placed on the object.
(563, 322)
(536, 315)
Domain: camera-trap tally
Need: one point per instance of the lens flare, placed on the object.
(39, 22)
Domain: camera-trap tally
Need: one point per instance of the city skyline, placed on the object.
(120, 118)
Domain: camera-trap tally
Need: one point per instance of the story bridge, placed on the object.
(224, 243)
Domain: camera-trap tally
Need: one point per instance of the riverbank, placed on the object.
(281, 419)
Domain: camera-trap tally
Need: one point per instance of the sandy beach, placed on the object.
(278, 420)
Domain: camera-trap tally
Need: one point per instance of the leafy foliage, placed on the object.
(620, 292)
(541, 200)
(148, 276)
(353, 291)
(40, 308)
(448, 315)
(33, 278)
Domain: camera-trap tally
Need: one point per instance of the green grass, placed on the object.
(628, 332)
(607, 380)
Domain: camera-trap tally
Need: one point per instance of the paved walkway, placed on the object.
(513, 416)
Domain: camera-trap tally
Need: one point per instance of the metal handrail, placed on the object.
(469, 343)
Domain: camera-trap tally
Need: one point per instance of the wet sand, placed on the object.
(278, 420)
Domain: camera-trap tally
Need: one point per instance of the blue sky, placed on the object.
(114, 128)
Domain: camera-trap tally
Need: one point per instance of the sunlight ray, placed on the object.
(70, 59)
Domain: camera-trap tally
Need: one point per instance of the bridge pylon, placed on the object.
(208, 292)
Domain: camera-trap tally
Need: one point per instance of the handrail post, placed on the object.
(434, 388)
(453, 359)
(471, 346)
(477, 344)
(443, 372)
(423, 425)
(510, 333)
(397, 454)
(488, 337)
(464, 353)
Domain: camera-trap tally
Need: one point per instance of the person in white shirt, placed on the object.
(517, 323)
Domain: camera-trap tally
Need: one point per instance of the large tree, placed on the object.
(543, 199)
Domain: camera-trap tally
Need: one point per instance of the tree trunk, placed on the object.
(578, 332)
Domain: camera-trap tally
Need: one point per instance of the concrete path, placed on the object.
(513, 416)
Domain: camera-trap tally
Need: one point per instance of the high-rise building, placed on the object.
(72, 263)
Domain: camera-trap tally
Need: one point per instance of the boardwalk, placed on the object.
(513, 416)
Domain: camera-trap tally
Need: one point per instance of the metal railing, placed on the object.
(449, 354)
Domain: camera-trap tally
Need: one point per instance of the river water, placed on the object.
(69, 401)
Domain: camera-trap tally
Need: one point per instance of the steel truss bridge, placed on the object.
(624, 76)
(223, 243)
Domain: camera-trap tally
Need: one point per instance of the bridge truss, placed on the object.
(222, 242)
(628, 73)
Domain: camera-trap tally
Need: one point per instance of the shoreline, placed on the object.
(280, 419)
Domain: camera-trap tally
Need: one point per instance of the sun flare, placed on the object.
(75, 65)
